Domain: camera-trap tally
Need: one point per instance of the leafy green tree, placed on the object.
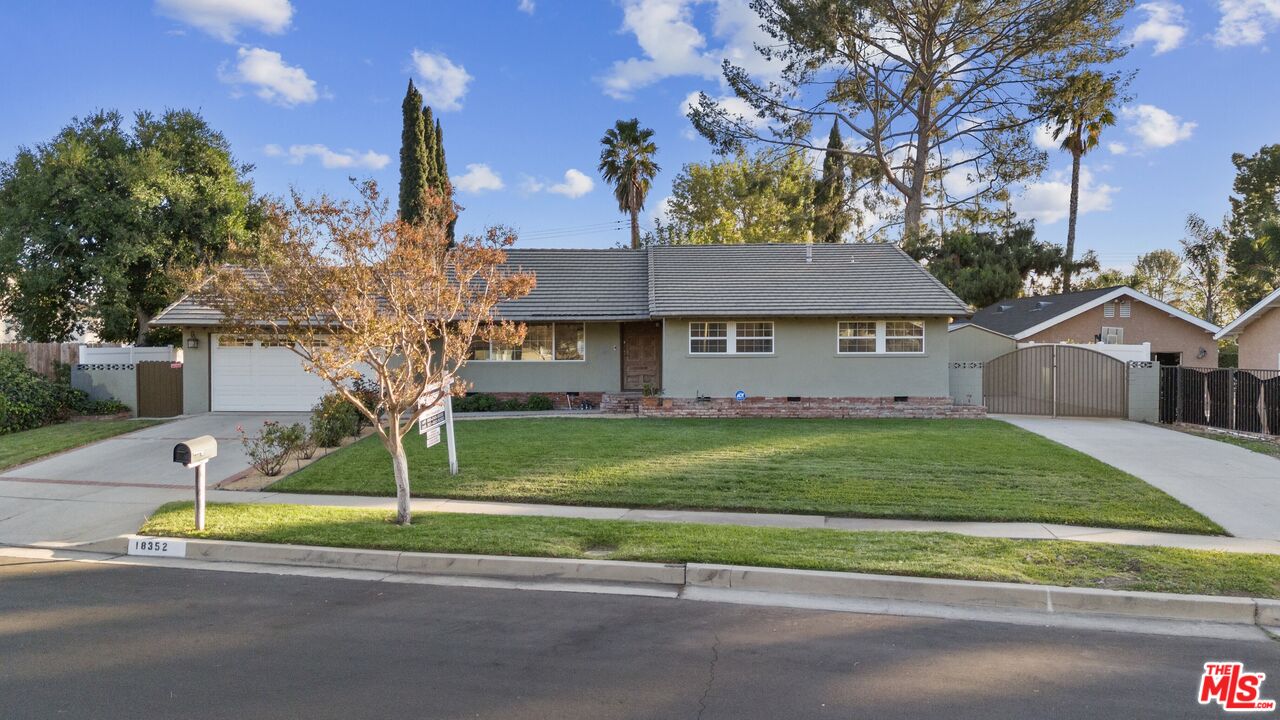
(430, 144)
(986, 266)
(443, 186)
(96, 224)
(1205, 252)
(748, 198)
(927, 87)
(1111, 277)
(1078, 109)
(1254, 253)
(1159, 274)
(626, 162)
(415, 169)
(831, 216)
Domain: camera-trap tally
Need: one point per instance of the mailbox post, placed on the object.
(195, 453)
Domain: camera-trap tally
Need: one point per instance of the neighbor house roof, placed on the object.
(1235, 327)
(705, 280)
(1021, 318)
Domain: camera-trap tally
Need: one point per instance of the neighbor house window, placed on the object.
(869, 337)
(708, 337)
(904, 336)
(543, 342)
(730, 338)
(857, 336)
(1113, 335)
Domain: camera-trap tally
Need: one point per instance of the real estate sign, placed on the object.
(439, 414)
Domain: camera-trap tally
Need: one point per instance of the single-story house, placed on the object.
(1119, 315)
(819, 330)
(1257, 332)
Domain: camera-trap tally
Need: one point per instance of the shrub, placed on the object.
(270, 450)
(539, 402)
(369, 393)
(479, 402)
(510, 405)
(332, 419)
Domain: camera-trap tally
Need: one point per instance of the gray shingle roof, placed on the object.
(776, 280)
(1015, 315)
(581, 284)
(705, 280)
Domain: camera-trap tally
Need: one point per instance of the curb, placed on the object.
(972, 594)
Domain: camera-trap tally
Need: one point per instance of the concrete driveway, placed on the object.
(110, 487)
(145, 457)
(1236, 488)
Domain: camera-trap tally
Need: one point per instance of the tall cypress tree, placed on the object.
(430, 141)
(439, 166)
(831, 219)
(413, 157)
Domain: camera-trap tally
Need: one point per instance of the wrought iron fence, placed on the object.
(1227, 398)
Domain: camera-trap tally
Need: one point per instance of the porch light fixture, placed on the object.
(193, 343)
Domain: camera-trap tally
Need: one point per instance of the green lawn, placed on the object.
(934, 469)
(943, 555)
(28, 445)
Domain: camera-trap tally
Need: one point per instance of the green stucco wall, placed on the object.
(804, 363)
(599, 372)
(195, 372)
(973, 344)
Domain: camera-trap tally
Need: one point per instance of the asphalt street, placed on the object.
(81, 640)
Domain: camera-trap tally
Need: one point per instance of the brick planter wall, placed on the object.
(845, 407)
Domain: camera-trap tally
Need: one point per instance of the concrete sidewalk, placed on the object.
(1018, 530)
(1237, 488)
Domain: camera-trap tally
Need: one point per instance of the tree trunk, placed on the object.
(1071, 221)
(400, 464)
(635, 228)
(144, 324)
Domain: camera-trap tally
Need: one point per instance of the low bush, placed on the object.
(479, 402)
(270, 449)
(332, 419)
(370, 394)
(30, 400)
(539, 402)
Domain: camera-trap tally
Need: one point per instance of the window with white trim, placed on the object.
(1125, 309)
(856, 337)
(730, 338)
(1109, 310)
(872, 337)
(543, 342)
(1112, 335)
(228, 341)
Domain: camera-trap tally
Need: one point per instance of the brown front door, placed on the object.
(641, 355)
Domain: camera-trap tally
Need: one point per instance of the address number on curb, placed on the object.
(158, 546)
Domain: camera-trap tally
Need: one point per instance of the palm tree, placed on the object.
(1077, 111)
(626, 162)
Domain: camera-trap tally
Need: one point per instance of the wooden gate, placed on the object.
(1057, 380)
(159, 389)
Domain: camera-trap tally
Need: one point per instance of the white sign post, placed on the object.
(440, 414)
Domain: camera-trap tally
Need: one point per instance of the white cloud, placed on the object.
(1049, 201)
(1246, 22)
(478, 178)
(224, 19)
(1043, 138)
(671, 44)
(275, 81)
(443, 83)
(1117, 148)
(1165, 26)
(1156, 128)
(526, 6)
(298, 154)
(575, 184)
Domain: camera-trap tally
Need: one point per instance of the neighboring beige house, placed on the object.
(1119, 315)
(1257, 332)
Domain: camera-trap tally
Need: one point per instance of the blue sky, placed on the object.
(309, 92)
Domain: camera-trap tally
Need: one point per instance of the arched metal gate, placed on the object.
(1057, 380)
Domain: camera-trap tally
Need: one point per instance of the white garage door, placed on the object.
(248, 376)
